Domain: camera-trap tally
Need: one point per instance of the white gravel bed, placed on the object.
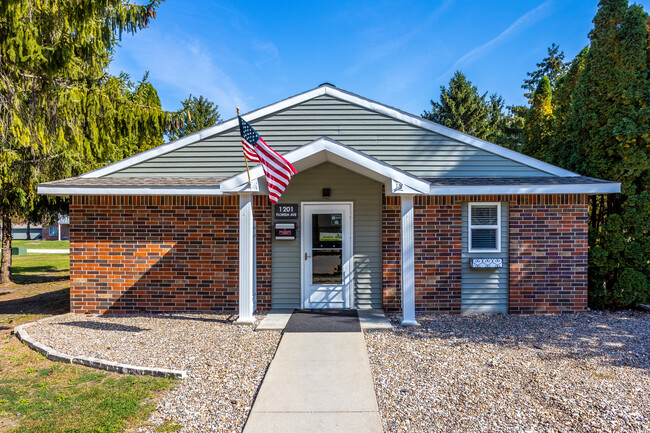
(554, 373)
(225, 362)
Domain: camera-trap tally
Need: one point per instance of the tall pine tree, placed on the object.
(201, 114)
(461, 107)
(62, 114)
(539, 118)
(563, 97)
(551, 66)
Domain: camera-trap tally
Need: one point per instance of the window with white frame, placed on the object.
(484, 227)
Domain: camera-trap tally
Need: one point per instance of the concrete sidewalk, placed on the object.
(317, 382)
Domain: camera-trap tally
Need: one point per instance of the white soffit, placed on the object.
(345, 96)
(325, 149)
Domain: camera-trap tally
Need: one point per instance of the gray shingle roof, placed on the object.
(538, 180)
(213, 182)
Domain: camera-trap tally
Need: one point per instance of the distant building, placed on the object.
(57, 232)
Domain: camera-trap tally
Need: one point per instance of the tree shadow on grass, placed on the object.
(27, 279)
(55, 302)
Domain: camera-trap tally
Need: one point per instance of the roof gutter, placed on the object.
(123, 190)
(593, 188)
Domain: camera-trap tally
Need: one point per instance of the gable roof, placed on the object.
(327, 150)
(344, 96)
(324, 149)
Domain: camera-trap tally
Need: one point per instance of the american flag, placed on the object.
(277, 170)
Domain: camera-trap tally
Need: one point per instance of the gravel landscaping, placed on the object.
(553, 373)
(225, 363)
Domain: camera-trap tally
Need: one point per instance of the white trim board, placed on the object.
(344, 96)
(132, 190)
(605, 188)
(347, 285)
(592, 188)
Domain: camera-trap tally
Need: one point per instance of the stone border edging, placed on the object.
(101, 364)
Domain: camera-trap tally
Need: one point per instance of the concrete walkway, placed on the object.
(317, 382)
(47, 251)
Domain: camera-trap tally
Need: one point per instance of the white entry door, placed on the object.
(326, 255)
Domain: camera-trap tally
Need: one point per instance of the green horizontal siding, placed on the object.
(407, 147)
(365, 194)
(485, 290)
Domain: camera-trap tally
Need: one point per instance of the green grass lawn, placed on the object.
(37, 395)
(33, 244)
(39, 263)
(41, 396)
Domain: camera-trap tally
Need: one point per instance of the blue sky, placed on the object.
(254, 53)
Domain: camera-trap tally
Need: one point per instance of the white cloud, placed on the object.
(185, 66)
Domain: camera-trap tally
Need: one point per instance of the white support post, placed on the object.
(408, 261)
(246, 258)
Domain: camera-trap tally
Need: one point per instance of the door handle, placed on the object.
(306, 256)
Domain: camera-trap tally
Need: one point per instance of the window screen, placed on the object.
(484, 227)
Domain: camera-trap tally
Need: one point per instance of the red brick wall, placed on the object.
(391, 258)
(161, 253)
(437, 226)
(264, 231)
(548, 252)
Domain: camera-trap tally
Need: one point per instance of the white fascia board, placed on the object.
(89, 190)
(206, 133)
(594, 188)
(326, 149)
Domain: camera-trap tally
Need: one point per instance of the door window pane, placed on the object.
(327, 230)
(327, 248)
(326, 267)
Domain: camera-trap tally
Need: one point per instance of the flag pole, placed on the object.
(245, 159)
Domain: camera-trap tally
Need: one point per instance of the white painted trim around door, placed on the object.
(347, 208)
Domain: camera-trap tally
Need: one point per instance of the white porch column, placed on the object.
(408, 261)
(246, 258)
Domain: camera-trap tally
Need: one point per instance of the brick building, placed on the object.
(388, 210)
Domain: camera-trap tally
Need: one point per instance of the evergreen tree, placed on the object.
(537, 129)
(461, 107)
(552, 66)
(512, 136)
(563, 97)
(201, 114)
(62, 114)
(609, 137)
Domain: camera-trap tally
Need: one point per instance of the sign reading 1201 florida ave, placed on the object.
(286, 211)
